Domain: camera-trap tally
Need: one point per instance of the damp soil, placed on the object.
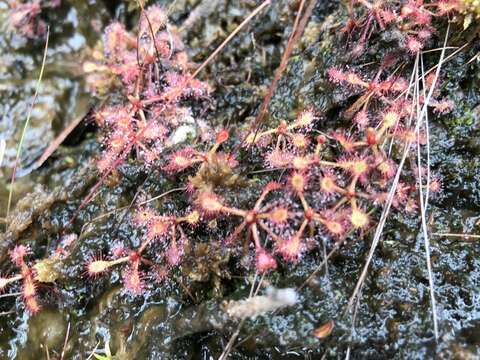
(183, 318)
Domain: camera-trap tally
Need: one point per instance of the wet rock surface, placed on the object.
(182, 317)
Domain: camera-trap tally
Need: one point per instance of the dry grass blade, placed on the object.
(472, 236)
(27, 122)
(352, 329)
(229, 346)
(423, 212)
(92, 354)
(446, 59)
(62, 356)
(386, 209)
(231, 36)
(10, 295)
(5, 313)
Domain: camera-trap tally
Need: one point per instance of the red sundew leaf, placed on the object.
(278, 216)
(152, 20)
(278, 159)
(118, 251)
(298, 181)
(144, 215)
(424, 34)
(264, 261)
(180, 160)
(25, 18)
(387, 168)
(229, 159)
(336, 75)
(328, 184)
(107, 160)
(97, 266)
(361, 119)
(299, 141)
(345, 141)
(359, 219)
(32, 305)
(335, 227)
(413, 45)
(272, 185)
(221, 137)
(160, 273)
(155, 131)
(133, 280)
(18, 254)
(443, 106)
(305, 119)
(388, 16)
(397, 85)
(209, 202)
(158, 227)
(355, 80)
(129, 72)
(324, 330)
(29, 288)
(291, 249)
(334, 222)
(356, 165)
(116, 41)
(446, 6)
(173, 254)
(435, 185)
(303, 163)
(422, 18)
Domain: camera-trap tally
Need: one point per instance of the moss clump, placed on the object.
(471, 7)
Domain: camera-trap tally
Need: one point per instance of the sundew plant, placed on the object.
(269, 192)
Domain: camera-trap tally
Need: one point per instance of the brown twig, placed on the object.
(297, 31)
(59, 140)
